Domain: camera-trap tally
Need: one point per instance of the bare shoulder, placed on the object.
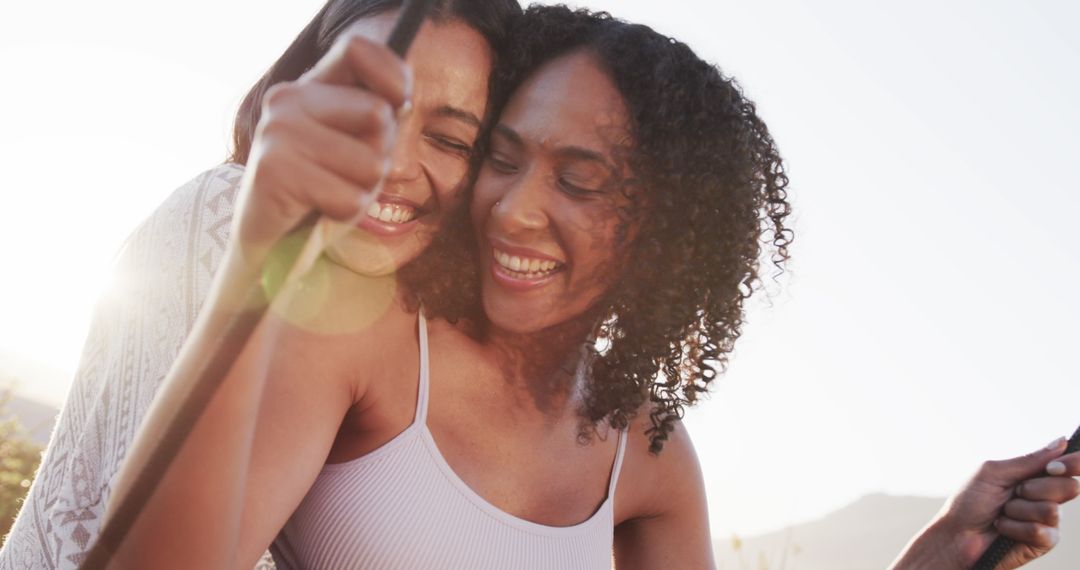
(376, 367)
(359, 331)
(381, 363)
(651, 484)
(661, 512)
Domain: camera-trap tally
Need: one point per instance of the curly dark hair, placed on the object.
(716, 190)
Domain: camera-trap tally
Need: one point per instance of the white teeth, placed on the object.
(394, 213)
(532, 268)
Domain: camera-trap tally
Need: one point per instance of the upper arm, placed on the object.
(304, 400)
(671, 528)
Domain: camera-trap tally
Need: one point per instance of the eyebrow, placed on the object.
(509, 134)
(579, 153)
(459, 114)
(574, 152)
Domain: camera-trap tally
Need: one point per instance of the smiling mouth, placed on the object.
(528, 268)
(392, 213)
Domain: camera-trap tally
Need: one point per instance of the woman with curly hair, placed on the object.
(617, 224)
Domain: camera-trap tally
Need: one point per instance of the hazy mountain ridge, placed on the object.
(32, 379)
(866, 534)
(37, 418)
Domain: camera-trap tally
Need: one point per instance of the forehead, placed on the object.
(451, 61)
(570, 100)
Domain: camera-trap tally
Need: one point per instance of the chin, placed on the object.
(366, 255)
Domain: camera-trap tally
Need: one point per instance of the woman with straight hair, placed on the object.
(164, 273)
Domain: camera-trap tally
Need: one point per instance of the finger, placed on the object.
(351, 158)
(355, 60)
(348, 110)
(329, 193)
(1042, 512)
(1066, 465)
(1056, 489)
(1032, 534)
(1009, 472)
(286, 188)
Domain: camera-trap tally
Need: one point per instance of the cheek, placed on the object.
(599, 245)
(484, 196)
(450, 199)
(447, 174)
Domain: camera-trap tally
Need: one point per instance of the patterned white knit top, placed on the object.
(161, 279)
(403, 507)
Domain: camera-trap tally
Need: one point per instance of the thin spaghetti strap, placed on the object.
(617, 467)
(422, 396)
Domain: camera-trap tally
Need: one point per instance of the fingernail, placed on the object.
(1052, 535)
(1055, 468)
(406, 105)
(404, 110)
(1056, 443)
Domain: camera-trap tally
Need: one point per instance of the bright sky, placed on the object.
(928, 322)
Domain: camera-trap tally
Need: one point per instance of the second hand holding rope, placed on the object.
(1001, 546)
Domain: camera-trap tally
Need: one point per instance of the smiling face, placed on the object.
(547, 201)
(451, 63)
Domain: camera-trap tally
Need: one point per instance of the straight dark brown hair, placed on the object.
(491, 18)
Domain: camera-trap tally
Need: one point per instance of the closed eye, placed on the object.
(450, 144)
(574, 190)
(500, 164)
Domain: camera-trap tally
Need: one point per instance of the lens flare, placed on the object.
(328, 298)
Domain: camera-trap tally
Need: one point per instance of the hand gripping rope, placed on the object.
(213, 369)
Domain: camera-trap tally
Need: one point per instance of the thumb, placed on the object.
(1008, 472)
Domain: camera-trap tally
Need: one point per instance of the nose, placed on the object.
(522, 209)
(405, 155)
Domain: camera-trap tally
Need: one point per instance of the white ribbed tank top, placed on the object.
(401, 507)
